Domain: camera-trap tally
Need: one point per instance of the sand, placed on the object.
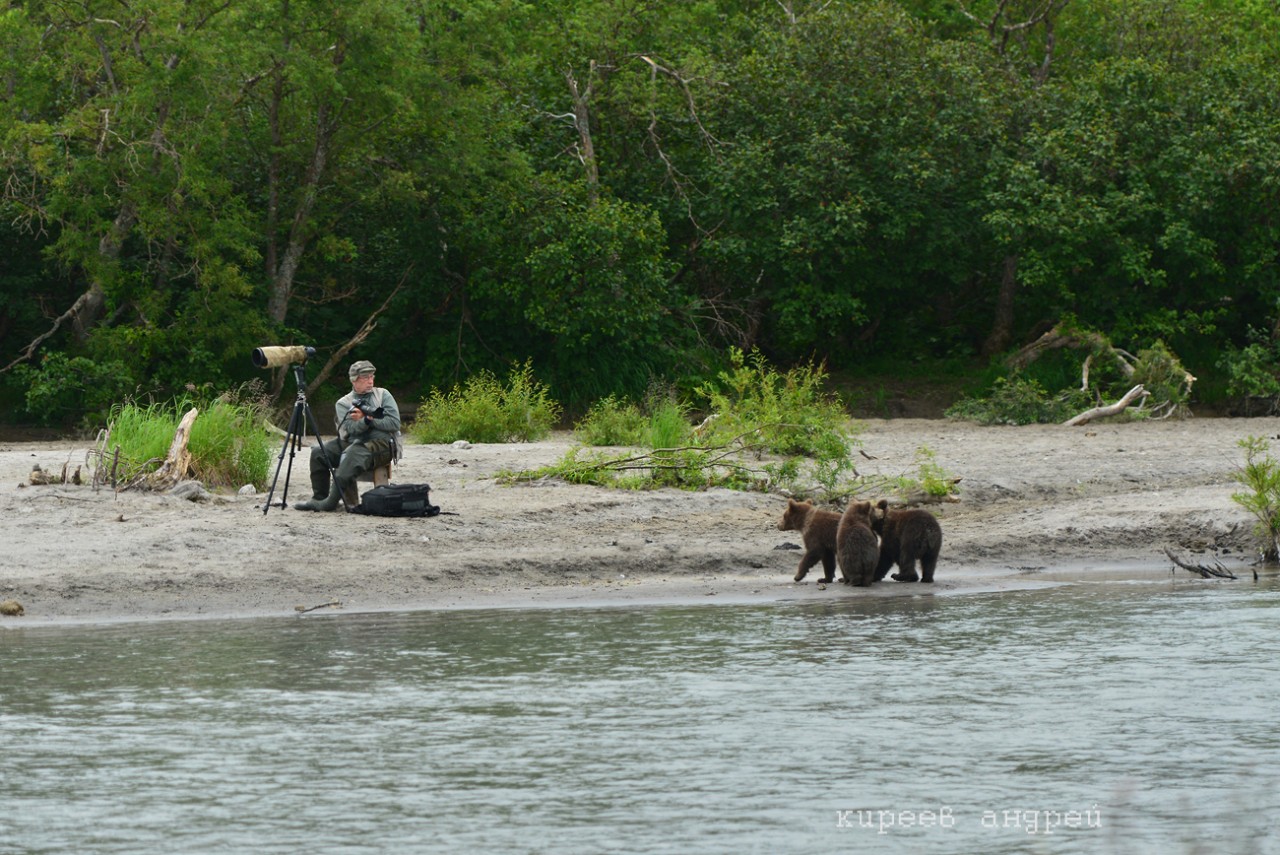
(1037, 505)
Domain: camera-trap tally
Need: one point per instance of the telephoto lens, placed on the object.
(274, 357)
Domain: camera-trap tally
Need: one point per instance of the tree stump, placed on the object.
(177, 463)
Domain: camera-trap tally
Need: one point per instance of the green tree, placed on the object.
(1141, 204)
(849, 194)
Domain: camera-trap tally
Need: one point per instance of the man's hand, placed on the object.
(356, 413)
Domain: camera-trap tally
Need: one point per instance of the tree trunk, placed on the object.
(1002, 327)
(282, 272)
(582, 124)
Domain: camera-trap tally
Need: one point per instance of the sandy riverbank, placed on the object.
(1038, 504)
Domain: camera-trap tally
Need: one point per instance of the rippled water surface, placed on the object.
(1093, 718)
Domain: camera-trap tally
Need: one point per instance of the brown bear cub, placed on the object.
(906, 536)
(856, 549)
(818, 531)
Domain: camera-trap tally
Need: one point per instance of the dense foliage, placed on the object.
(613, 192)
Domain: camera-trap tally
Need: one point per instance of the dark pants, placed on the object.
(348, 464)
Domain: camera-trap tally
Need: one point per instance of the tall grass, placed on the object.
(228, 445)
(663, 422)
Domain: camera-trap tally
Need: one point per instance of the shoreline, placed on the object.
(722, 591)
(1039, 506)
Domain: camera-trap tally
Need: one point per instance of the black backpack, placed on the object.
(397, 500)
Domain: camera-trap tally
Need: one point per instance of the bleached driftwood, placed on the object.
(177, 463)
(1109, 410)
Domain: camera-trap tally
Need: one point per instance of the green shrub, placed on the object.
(787, 413)
(1260, 476)
(663, 423)
(934, 480)
(143, 434)
(229, 446)
(1253, 374)
(611, 421)
(757, 412)
(1019, 400)
(484, 410)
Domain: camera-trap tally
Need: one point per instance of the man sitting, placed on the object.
(368, 421)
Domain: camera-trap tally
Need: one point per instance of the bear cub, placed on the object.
(818, 531)
(907, 535)
(856, 549)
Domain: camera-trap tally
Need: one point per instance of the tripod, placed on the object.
(299, 422)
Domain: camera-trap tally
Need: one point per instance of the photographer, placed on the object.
(368, 424)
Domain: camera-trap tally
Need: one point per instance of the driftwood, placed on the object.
(41, 476)
(1216, 572)
(332, 604)
(177, 463)
(1109, 410)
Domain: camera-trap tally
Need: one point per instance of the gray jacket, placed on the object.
(386, 427)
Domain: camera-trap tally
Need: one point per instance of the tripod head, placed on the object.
(300, 379)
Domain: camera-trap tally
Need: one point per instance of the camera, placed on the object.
(274, 357)
(362, 404)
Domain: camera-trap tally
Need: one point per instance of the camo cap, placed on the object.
(364, 366)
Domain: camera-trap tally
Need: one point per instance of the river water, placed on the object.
(1108, 717)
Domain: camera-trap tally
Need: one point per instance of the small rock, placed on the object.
(191, 490)
(461, 443)
(248, 490)
(12, 608)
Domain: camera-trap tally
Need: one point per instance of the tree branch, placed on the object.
(1110, 410)
(360, 335)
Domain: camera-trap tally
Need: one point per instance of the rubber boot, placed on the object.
(350, 495)
(326, 504)
(335, 494)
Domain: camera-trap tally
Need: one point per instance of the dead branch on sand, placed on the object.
(1217, 572)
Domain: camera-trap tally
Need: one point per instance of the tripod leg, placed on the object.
(290, 445)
